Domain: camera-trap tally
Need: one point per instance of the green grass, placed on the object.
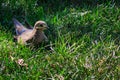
(83, 46)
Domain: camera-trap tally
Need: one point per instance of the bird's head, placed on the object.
(41, 25)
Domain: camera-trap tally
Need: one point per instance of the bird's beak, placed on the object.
(46, 26)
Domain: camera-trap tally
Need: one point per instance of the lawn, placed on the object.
(84, 40)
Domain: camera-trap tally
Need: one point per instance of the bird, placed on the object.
(40, 35)
(35, 34)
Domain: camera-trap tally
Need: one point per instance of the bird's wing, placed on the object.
(27, 35)
(19, 27)
(28, 25)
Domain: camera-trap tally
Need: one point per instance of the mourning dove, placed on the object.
(36, 33)
(39, 36)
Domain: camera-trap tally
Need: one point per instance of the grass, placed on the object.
(84, 43)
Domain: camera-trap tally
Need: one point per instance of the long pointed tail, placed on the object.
(28, 25)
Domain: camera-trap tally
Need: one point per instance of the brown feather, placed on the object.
(36, 34)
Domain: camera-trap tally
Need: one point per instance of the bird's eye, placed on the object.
(41, 25)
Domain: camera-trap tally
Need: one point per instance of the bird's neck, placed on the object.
(34, 31)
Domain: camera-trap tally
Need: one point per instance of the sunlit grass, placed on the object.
(82, 46)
